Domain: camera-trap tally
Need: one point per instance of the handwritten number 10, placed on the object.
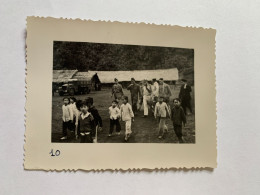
(57, 153)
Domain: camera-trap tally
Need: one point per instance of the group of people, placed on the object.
(155, 96)
(83, 118)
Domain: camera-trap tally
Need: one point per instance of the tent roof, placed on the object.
(108, 76)
(63, 75)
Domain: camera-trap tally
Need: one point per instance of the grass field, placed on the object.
(145, 130)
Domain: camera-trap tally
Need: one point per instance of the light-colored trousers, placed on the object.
(128, 127)
(162, 125)
(146, 99)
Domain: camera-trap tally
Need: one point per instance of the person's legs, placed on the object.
(111, 129)
(128, 130)
(145, 98)
(72, 125)
(162, 126)
(64, 128)
(118, 126)
(178, 132)
(183, 104)
(189, 105)
(82, 138)
(134, 105)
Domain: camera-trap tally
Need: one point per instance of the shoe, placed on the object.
(109, 135)
(118, 133)
(160, 137)
(144, 116)
(63, 138)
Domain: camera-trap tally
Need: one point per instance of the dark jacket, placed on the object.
(135, 91)
(97, 117)
(178, 116)
(185, 93)
(87, 124)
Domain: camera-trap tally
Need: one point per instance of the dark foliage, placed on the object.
(85, 56)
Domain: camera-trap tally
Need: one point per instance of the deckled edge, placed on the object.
(162, 169)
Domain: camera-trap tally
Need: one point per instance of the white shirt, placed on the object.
(155, 89)
(161, 109)
(114, 112)
(85, 115)
(126, 112)
(67, 113)
(145, 91)
(74, 109)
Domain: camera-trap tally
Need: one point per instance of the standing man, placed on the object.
(164, 91)
(155, 90)
(135, 94)
(117, 90)
(146, 91)
(185, 96)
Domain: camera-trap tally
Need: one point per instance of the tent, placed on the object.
(60, 76)
(108, 76)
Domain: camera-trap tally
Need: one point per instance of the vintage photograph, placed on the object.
(119, 96)
(117, 93)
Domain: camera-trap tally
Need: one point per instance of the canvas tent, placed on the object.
(60, 76)
(107, 77)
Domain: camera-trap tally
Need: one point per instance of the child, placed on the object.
(95, 114)
(87, 124)
(127, 116)
(161, 110)
(67, 117)
(114, 114)
(74, 112)
(178, 117)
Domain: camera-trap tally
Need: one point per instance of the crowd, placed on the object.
(82, 118)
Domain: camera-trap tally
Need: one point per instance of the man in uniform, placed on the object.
(135, 94)
(117, 90)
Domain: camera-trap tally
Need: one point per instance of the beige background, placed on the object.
(40, 36)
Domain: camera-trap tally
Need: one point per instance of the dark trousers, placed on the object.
(186, 104)
(178, 132)
(72, 126)
(65, 127)
(134, 106)
(86, 139)
(92, 132)
(114, 123)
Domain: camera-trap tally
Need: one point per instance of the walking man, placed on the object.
(117, 90)
(146, 92)
(164, 91)
(185, 96)
(135, 94)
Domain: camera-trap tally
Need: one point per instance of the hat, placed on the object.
(132, 79)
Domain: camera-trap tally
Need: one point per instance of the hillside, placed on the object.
(85, 56)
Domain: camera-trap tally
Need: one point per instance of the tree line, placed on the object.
(85, 56)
